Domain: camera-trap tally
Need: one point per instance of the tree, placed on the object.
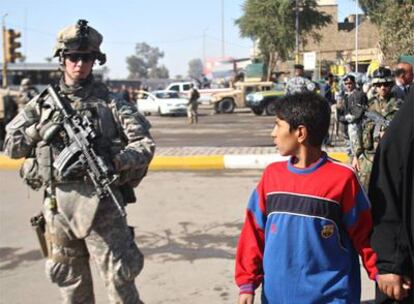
(395, 21)
(159, 72)
(195, 68)
(144, 61)
(272, 23)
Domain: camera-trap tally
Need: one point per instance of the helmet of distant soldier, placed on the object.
(382, 75)
(25, 82)
(79, 38)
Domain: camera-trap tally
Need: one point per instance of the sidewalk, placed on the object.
(206, 158)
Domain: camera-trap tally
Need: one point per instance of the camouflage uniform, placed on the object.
(192, 107)
(299, 84)
(79, 226)
(370, 134)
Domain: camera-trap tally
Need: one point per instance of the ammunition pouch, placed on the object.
(38, 223)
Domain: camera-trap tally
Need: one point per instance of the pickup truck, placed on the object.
(205, 94)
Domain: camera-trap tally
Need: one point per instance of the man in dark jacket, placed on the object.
(391, 191)
(355, 105)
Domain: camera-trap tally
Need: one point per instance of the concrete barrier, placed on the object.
(200, 162)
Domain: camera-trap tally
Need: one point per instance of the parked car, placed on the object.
(226, 102)
(161, 102)
(264, 101)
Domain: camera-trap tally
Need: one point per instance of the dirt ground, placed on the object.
(187, 224)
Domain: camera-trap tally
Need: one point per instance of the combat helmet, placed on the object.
(382, 75)
(79, 38)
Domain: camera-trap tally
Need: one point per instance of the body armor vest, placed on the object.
(107, 143)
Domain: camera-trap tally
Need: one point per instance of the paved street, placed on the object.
(187, 225)
(239, 129)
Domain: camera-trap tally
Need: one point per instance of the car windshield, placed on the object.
(167, 95)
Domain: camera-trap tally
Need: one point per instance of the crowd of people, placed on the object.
(362, 106)
(310, 217)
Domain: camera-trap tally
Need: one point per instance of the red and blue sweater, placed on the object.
(303, 232)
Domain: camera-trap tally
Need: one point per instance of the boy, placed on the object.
(307, 219)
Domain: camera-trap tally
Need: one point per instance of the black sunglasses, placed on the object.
(383, 84)
(85, 57)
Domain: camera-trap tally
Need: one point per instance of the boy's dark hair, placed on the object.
(308, 109)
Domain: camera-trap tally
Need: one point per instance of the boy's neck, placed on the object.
(306, 157)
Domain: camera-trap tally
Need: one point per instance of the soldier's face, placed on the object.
(349, 85)
(78, 66)
(383, 89)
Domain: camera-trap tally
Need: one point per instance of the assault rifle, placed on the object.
(380, 122)
(80, 153)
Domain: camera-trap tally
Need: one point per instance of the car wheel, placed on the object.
(257, 110)
(270, 108)
(227, 105)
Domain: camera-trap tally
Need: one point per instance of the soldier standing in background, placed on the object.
(192, 107)
(79, 225)
(355, 104)
(386, 105)
(299, 83)
(26, 93)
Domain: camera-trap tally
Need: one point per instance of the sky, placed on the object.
(176, 27)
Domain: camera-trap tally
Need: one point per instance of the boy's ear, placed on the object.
(302, 133)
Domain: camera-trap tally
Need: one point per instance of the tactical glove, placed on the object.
(349, 118)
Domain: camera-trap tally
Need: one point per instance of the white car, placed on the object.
(161, 102)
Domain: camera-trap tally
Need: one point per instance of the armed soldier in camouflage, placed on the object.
(79, 224)
(380, 110)
(299, 83)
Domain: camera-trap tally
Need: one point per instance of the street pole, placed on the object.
(204, 46)
(297, 32)
(356, 36)
(4, 72)
(222, 29)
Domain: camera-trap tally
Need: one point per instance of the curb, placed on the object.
(199, 162)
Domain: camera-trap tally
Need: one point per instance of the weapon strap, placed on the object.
(52, 194)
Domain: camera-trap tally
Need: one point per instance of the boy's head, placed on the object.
(301, 119)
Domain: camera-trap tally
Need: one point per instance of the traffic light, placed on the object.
(12, 45)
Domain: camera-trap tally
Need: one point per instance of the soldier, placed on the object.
(386, 105)
(192, 106)
(298, 83)
(79, 225)
(26, 93)
(355, 103)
